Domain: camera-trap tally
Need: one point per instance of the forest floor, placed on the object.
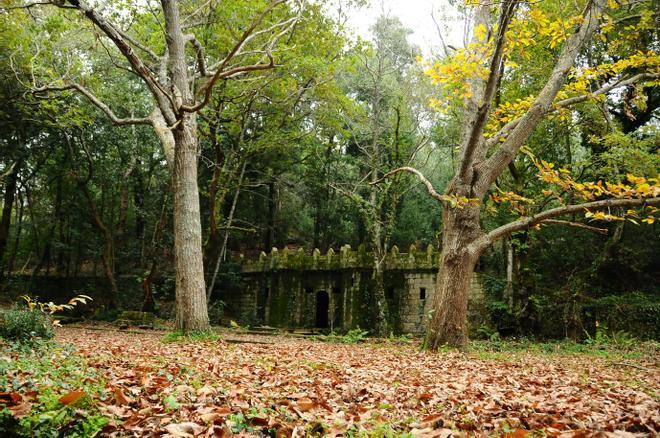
(286, 386)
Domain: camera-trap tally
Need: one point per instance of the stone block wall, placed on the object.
(333, 291)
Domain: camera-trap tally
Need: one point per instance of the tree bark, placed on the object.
(191, 308)
(448, 324)
(5, 221)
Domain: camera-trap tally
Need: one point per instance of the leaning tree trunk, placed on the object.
(448, 325)
(191, 309)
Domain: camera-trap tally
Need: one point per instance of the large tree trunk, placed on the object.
(448, 324)
(191, 309)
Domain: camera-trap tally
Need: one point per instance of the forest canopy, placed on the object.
(151, 144)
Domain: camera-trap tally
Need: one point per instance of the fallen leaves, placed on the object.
(72, 397)
(295, 387)
(18, 405)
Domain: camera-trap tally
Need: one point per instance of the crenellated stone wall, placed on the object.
(334, 290)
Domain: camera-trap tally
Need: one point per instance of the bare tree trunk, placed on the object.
(191, 308)
(269, 237)
(379, 256)
(448, 323)
(17, 235)
(148, 301)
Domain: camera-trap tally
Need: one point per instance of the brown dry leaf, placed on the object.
(518, 433)
(185, 430)
(206, 390)
(259, 421)
(72, 397)
(121, 398)
(356, 386)
(21, 410)
(10, 398)
(305, 405)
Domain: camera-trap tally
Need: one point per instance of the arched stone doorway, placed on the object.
(322, 309)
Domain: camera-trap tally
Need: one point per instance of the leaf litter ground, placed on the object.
(286, 386)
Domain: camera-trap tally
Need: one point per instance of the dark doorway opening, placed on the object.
(322, 307)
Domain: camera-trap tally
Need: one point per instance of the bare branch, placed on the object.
(221, 73)
(606, 89)
(139, 45)
(439, 31)
(429, 186)
(507, 128)
(97, 102)
(478, 121)
(162, 97)
(528, 222)
(576, 225)
(33, 4)
(226, 74)
(495, 165)
(199, 49)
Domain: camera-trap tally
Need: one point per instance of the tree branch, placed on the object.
(507, 128)
(97, 102)
(162, 98)
(139, 45)
(481, 115)
(221, 73)
(606, 89)
(576, 225)
(7, 172)
(199, 49)
(33, 4)
(520, 132)
(429, 186)
(544, 216)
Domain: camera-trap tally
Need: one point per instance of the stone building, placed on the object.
(334, 291)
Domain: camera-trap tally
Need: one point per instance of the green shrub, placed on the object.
(24, 325)
(353, 336)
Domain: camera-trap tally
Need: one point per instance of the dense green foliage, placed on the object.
(23, 325)
(286, 160)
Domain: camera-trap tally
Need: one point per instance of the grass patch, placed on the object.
(503, 349)
(353, 336)
(208, 336)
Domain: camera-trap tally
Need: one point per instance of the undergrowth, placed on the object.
(48, 391)
(190, 337)
(353, 336)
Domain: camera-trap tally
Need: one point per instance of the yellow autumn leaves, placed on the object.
(637, 187)
(533, 28)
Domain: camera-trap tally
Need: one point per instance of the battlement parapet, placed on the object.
(346, 258)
